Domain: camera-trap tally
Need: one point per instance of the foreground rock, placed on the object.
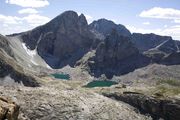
(8, 109)
(59, 101)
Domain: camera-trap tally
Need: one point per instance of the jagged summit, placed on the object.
(105, 27)
(68, 37)
(69, 18)
(116, 55)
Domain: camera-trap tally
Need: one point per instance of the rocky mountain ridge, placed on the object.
(68, 37)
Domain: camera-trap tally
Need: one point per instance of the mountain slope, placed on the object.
(10, 71)
(145, 42)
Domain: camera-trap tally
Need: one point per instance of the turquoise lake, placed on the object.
(61, 76)
(100, 84)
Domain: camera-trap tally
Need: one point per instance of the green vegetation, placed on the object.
(167, 90)
(100, 84)
(61, 76)
(168, 87)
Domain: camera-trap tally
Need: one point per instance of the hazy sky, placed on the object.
(144, 16)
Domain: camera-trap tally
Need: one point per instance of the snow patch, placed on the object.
(34, 62)
(48, 66)
(31, 53)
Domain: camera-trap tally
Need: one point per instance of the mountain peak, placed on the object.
(68, 19)
(105, 27)
(61, 39)
(82, 20)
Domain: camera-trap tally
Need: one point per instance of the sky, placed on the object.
(141, 16)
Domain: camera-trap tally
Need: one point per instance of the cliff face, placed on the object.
(116, 55)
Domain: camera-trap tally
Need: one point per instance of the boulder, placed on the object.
(8, 109)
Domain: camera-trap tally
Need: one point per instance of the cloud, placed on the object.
(14, 24)
(177, 21)
(173, 31)
(88, 17)
(163, 13)
(28, 11)
(146, 23)
(32, 19)
(165, 26)
(29, 3)
(35, 19)
(10, 19)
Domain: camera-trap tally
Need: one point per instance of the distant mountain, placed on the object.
(105, 27)
(145, 42)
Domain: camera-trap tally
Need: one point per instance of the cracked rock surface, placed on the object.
(56, 100)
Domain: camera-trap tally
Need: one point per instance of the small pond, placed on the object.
(100, 84)
(61, 76)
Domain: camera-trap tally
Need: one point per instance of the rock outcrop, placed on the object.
(157, 108)
(116, 55)
(8, 109)
(62, 41)
(56, 100)
(4, 45)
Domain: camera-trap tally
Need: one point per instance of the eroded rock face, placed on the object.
(115, 47)
(62, 41)
(8, 109)
(116, 55)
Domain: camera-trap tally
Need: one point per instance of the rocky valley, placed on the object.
(44, 72)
